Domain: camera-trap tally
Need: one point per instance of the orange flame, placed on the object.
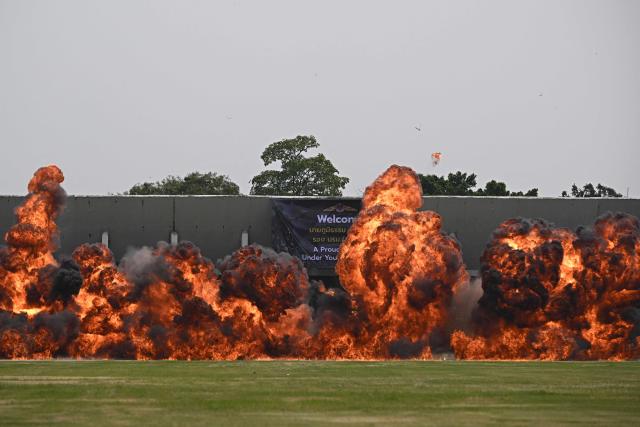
(31, 241)
(400, 269)
(552, 294)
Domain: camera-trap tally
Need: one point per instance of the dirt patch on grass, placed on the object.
(38, 379)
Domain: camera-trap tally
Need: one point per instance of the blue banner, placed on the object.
(313, 229)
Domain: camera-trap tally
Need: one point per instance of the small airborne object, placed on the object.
(540, 94)
(435, 158)
(229, 117)
(417, 128)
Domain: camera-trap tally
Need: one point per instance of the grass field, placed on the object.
(283, 393)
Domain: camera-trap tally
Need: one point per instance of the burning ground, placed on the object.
(548, 293)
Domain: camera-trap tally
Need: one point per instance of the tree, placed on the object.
(530, 193)
(588, 190)
(496, 188)
(193, 183)
(463, 184)
(298, 175)
(457, 184)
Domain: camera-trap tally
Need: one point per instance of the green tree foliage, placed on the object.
(588, 190)
(298, 175)
(193, 183)
(496, 188)
(533, 192)
(456, 184)
(463, 184)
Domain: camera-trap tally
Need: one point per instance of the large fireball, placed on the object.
(399, 267)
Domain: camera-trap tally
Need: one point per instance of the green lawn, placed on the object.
(277, 393)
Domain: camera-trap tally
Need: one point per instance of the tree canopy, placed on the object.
(458, 184)
(193, 183)
(588, 190)
(463, 184)
(298, 175)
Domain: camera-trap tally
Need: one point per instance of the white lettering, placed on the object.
(333, 219)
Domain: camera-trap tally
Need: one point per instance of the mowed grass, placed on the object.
(318, 393)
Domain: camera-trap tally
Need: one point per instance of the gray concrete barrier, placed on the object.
(216, 223)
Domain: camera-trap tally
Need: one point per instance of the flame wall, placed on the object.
(549, 293)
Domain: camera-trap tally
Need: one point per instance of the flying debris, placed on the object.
(435, 158)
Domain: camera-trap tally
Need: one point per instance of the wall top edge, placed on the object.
(243, 196)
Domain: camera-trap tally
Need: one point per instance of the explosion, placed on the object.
(556, 295)
(167, 302)
(548, 293)
(31, 243)
(400, 269)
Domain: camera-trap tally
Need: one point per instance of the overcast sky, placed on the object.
(535, 93)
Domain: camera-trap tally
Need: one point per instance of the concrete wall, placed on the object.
(215, 223)
(473, 219)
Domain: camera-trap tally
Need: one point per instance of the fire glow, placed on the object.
(548, 293)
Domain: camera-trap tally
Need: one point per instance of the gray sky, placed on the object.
(535, 93)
